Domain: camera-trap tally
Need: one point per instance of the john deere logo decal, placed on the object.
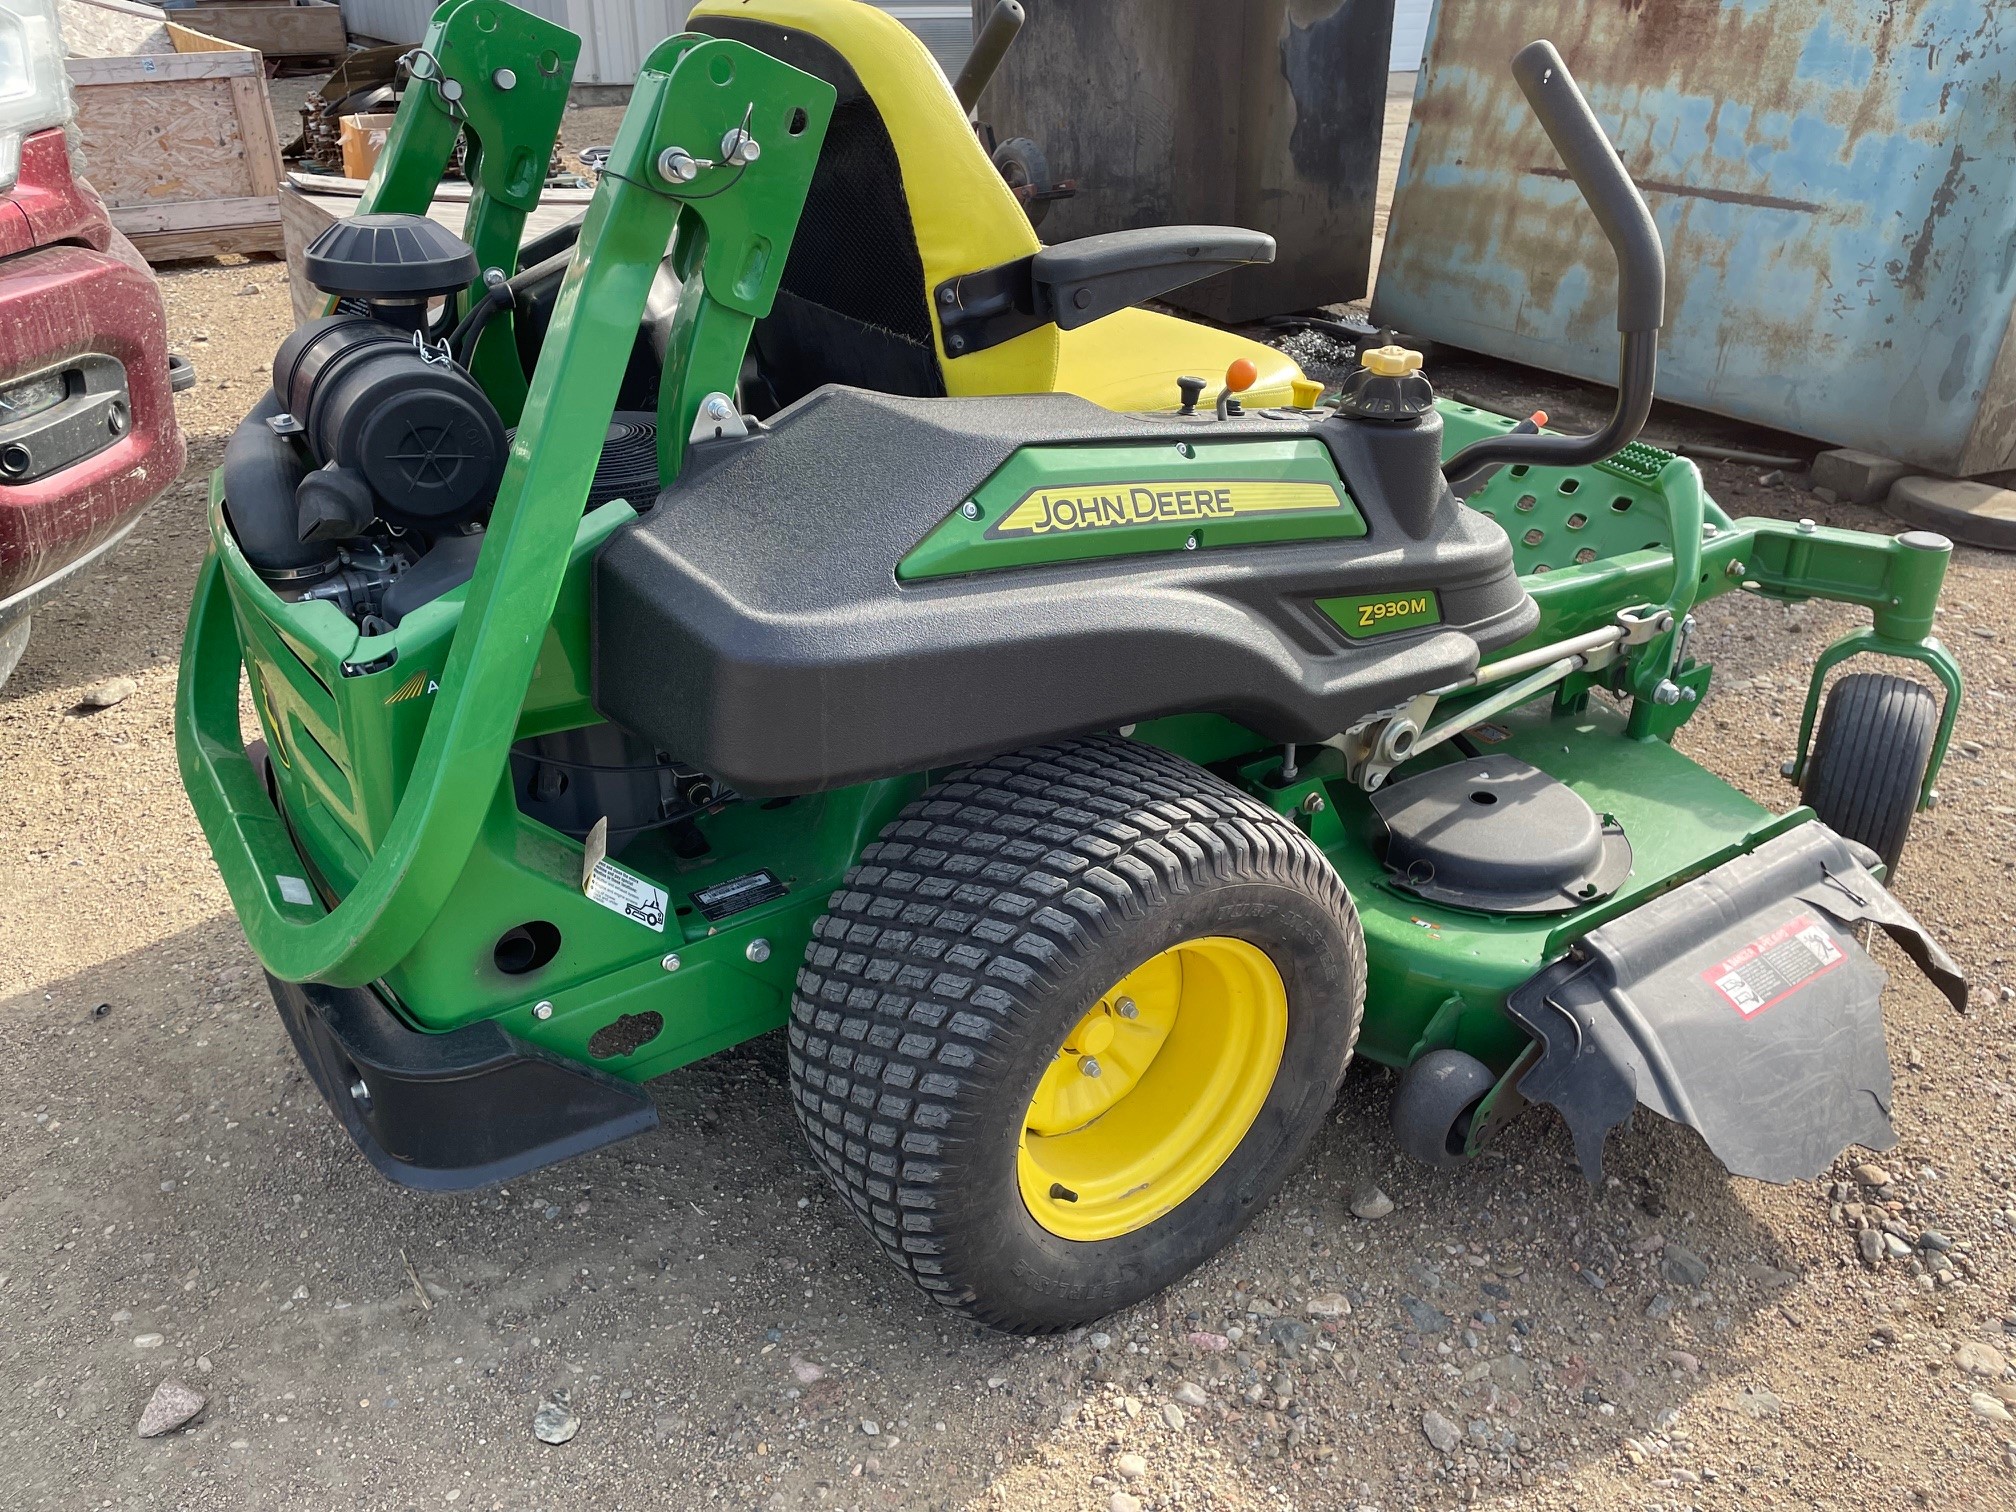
(419, 685)
(1050, 511)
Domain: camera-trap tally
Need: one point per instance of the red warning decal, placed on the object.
(1773, 967)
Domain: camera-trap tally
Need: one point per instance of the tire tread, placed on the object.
(976, 898)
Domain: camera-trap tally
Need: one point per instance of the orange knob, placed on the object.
(1242, 375)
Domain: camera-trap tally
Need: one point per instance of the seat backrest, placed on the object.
(904, 198)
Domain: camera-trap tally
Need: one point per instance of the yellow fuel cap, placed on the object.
(1391, 361)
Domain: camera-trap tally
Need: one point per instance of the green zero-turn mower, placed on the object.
(732, 611)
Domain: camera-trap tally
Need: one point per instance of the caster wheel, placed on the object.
(1024, 166)
(1434, 1104)
(1869, 758)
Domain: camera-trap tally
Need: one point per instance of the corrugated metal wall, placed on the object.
(1410, 33)
(387, 20)
(617, 35)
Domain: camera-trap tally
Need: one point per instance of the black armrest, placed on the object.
(1084, 280)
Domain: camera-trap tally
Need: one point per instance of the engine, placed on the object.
(366, 475)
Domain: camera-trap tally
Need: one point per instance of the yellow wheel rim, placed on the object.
(1153, 1089)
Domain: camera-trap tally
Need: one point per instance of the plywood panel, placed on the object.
(182, 146)
(177, 139)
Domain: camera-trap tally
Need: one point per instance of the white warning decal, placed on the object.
(628, 894)
(1773, 967)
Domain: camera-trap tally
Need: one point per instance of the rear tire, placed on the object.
(954, 978)
(1869, 759)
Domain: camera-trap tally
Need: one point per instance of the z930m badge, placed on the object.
(1372, 614)
(1047, 511)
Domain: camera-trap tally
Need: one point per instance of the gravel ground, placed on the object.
(176, 1202)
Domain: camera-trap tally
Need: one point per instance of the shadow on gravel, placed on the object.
(716, 1318)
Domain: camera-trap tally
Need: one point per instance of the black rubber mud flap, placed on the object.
(1739, 1004)
(455, 1111)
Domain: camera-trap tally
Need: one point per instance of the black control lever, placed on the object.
(1641, 273)
(1003, 22)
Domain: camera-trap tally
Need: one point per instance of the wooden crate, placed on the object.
(311, 29)
(182, 146)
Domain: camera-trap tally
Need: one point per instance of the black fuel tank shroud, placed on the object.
(752, 623)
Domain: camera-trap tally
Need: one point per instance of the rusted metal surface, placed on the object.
(1833, 180)
(1264, 114)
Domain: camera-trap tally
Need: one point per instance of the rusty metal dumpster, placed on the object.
(1834, 180)
(1264, 113)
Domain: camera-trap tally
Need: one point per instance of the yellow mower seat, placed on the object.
(905, 199)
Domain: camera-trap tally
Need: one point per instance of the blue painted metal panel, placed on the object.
(1835, 181)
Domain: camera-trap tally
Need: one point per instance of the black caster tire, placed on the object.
(1022, 164)
(1069, 1024)
(1434, 1104)
(1869, 758)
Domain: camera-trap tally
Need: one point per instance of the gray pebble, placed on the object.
(554, 1424)
(1426, 1319)
(1442, 1433)
(106, 694)
(171, 1406)
(1682, 1266)
(1369, 1202)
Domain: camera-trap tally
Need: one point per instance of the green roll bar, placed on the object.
(691, 93)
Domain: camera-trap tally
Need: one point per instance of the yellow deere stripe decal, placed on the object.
(413, 687)
(1048, 511)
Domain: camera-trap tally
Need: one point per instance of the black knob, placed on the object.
(1192, 389)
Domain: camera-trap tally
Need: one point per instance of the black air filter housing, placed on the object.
(370, 399)
(392, 263)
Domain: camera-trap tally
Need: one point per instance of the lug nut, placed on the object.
(1126, 1009)
(1088, 1065)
